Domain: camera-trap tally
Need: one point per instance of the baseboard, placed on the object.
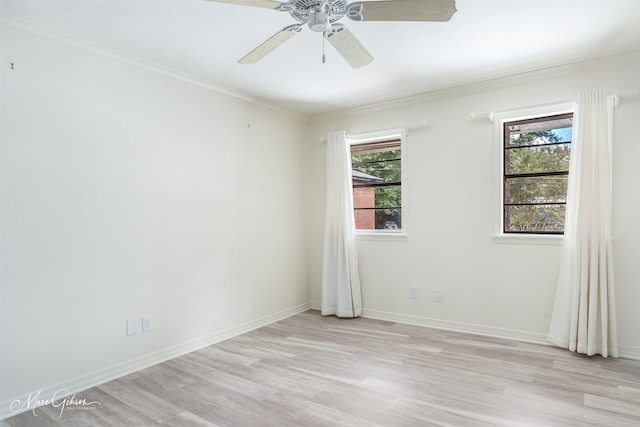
(449, 325)
(624, 351)
(629, 352)
(84, 382)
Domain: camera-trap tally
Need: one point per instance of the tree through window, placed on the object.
(536, 171)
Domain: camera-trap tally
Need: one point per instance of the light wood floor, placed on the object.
(308, 370)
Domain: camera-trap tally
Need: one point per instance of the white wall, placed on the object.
(500, 289)
(126, 192)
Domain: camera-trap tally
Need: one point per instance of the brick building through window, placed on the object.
(364, 200)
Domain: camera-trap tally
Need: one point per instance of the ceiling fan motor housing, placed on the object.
(319, 21)
(301, 10)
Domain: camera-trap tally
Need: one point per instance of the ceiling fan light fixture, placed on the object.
(319, 21)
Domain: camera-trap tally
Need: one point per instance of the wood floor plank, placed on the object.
(310, 370)
(619, 405)
(113, 412)
(145, 402)
(187, 419)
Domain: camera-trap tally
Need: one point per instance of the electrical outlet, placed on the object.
(439, 297)
(131, 327)
(413, 292)
(147, 325)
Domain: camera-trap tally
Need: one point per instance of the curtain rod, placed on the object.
(616, 101)
(408, 129)
(626, 94)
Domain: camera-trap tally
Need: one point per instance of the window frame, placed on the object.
(499, 120)
(380, 136)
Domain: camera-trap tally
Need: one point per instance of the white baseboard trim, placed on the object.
(624, 351)
(628, 352)
(84, 382)
(489, 331)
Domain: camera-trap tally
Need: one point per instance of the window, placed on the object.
(536, 153)
(377, 183)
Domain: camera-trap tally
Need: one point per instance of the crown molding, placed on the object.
(9, 22)
(499, 81)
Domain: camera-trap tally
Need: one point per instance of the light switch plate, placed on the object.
(147, 324)
(131, 327)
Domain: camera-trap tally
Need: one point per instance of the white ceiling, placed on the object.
(485, 39)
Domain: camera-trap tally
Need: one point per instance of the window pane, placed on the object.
(541, 130)
(383, 165)
(378, 219)
(376, 147)
(543, 189)
(549, 136)
(377, 207)
(388, 197)
(538, 219)
(386, 171)
(532, 159)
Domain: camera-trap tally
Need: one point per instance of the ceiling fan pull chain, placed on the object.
(323, 58)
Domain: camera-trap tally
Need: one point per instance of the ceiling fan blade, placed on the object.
(402, 10)
(348, 46)
(268, 4)
(270, 44)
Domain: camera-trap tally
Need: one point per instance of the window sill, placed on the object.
(530, 239)
(392, 236)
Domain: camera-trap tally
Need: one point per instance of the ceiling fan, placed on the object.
(322, 15)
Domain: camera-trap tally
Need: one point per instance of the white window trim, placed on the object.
(382, 135)
(499, 235)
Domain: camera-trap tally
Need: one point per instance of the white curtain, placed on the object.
(584, 315)
(340, 278)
